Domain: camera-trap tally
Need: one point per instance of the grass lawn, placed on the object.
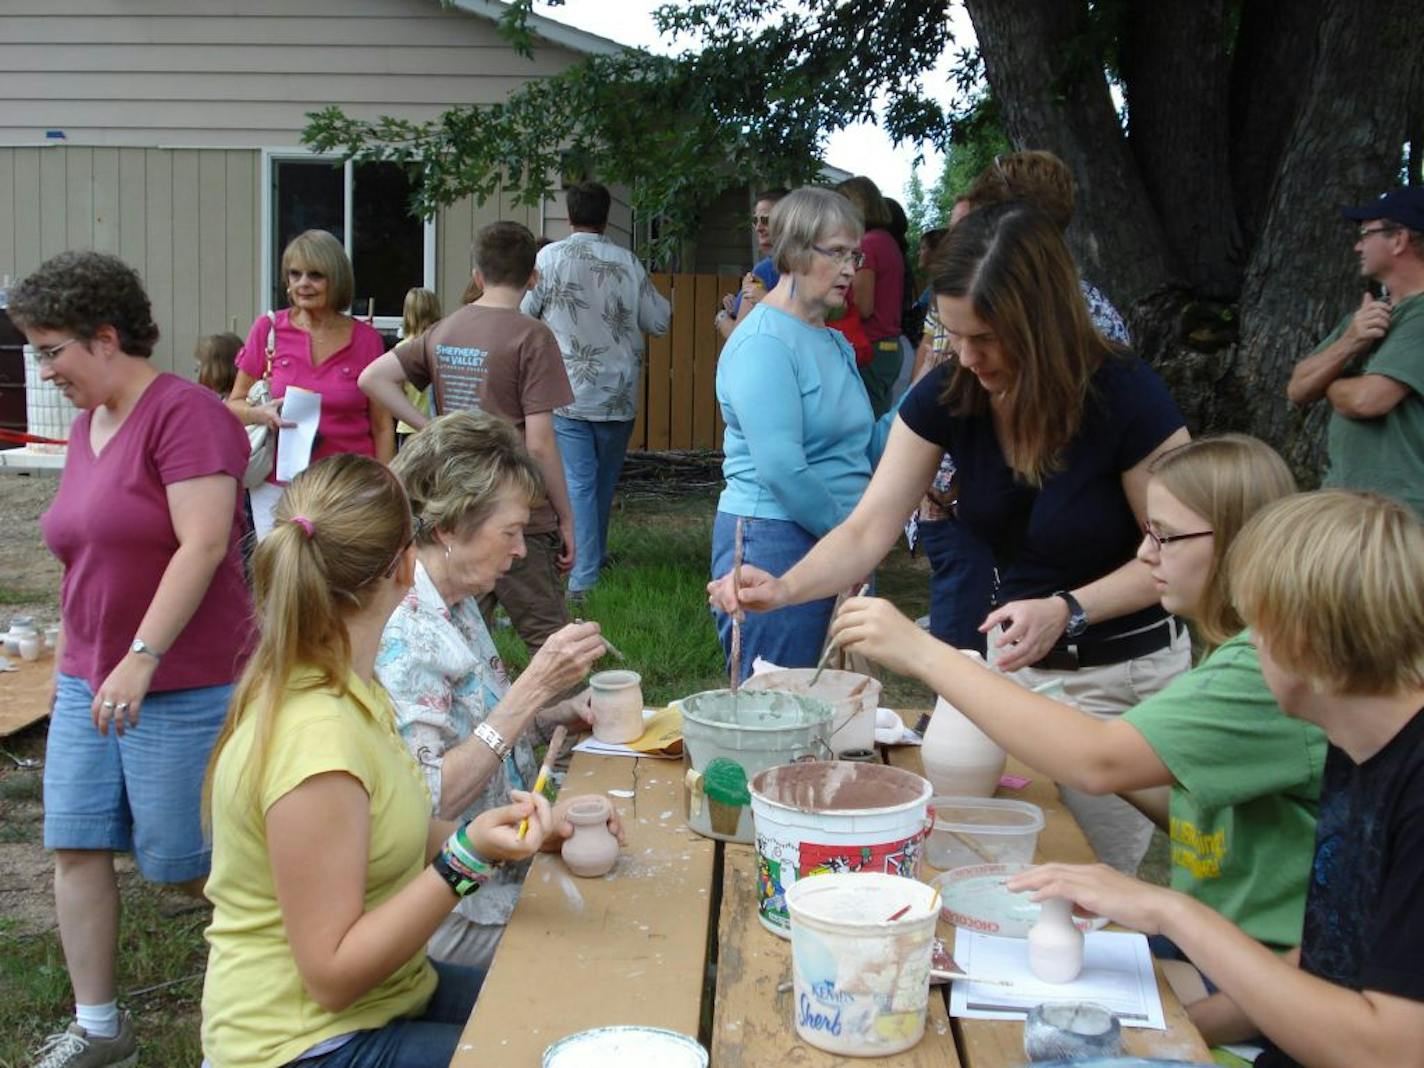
(651, 602)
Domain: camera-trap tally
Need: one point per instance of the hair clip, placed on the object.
(307, 526)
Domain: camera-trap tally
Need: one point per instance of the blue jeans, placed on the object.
(961, 583)
(416, 1042)
(141, 790)
(789, 637)
(592, 454)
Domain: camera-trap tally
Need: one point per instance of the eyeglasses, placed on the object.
(1160, 540)
(852, 256)
(761, 220)
(1365, 231)
(47, 355)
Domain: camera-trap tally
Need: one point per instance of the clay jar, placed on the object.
(1055, 945)
(592, 849)
(959, 758)
(617, 706)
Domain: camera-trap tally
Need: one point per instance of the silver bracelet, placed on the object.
(492, 738)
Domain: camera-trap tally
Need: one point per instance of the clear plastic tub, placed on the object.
(982, 830)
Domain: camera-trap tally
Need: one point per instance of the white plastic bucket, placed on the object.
(853, 696)
(834, 817)
(728, 738)
(861, 980)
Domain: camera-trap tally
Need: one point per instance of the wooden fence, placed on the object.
(677, 407)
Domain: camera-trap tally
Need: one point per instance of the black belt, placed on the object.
(1072, 656)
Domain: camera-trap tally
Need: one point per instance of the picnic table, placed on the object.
(670, 938)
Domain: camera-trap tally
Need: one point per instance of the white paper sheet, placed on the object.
(597, 748)
(294, 443)
(1117, 974)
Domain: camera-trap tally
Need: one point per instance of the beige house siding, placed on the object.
(185, 219)
(214, 73)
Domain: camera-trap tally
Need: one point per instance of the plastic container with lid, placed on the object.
(982, 830)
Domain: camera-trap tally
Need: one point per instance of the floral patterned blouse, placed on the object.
(444, 677)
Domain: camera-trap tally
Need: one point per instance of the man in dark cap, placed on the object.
(1371, 367)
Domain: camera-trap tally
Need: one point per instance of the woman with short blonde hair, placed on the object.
(471, 484)
(316, 345)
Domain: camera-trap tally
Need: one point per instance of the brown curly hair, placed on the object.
(83, 290)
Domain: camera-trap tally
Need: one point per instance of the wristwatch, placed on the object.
(141, 646)
(492, 738)
(1077, 618)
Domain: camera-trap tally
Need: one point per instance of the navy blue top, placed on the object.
(769, 276)
(1079, 526)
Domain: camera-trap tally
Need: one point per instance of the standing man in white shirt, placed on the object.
(599, 301)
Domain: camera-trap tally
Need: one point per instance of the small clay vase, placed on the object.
(1055, 945)
(617, 706)
(592, 849)
(960, 759)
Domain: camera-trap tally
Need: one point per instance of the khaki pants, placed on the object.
(531, 592)
(1118, 833)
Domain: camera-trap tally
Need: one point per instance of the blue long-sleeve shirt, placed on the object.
(798, 443)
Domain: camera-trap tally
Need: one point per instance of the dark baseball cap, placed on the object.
(1404, 206)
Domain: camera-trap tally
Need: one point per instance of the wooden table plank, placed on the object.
(629, 948)
(752, 1025)
(999, 1043)
(24, 694)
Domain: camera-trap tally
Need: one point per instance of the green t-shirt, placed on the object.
(1385, 454)
(1244, 802)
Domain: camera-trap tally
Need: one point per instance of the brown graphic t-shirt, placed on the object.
(496, 360)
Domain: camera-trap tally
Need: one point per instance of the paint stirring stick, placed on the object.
(736, 664)
(555, 744)
(830, 649)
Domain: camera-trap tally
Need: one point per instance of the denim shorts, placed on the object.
(140, 792)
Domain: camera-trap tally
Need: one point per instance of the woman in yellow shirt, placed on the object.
(328, 874)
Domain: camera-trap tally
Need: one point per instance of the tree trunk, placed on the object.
(1345, 147)
(1175, 70)
(1050, 85)
(1270, 71)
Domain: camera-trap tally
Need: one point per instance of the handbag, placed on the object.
(262, 439)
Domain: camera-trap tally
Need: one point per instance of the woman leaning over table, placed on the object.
(1054, 433)
(156, 619)
(1244, 777)
(471, 485)
(799, 427)
(316, 346)
(328, 873)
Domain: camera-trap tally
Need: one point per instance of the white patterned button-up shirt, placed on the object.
(599, 301)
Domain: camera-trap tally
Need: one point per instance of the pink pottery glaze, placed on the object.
(592, 849)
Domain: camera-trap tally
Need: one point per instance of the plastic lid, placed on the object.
(989, 814)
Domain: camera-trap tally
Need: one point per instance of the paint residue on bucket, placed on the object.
(861, 981)
(619, 1047)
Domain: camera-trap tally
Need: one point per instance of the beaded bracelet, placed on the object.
(462, 868)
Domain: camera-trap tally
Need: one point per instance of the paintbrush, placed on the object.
(555, 744)
(736, 664)
(935, 973)
(830, 649)
(608, 646)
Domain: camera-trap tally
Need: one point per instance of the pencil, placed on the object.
(555, 744)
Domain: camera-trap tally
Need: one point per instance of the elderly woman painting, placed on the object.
(799, 425)
(471, 485)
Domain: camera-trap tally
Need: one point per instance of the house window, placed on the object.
(366, 207)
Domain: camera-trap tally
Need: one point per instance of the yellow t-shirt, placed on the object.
(256, 1011)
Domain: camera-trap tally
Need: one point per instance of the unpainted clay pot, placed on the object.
(959, 758)
(592, 849)
(1055, 945)
(617, 706)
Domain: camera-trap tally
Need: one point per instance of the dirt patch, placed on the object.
(29, 575)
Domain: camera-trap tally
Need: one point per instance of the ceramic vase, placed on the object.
(592, 849)
(30, 646)
(1055, 945)
(960, 759)
(617, 706)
